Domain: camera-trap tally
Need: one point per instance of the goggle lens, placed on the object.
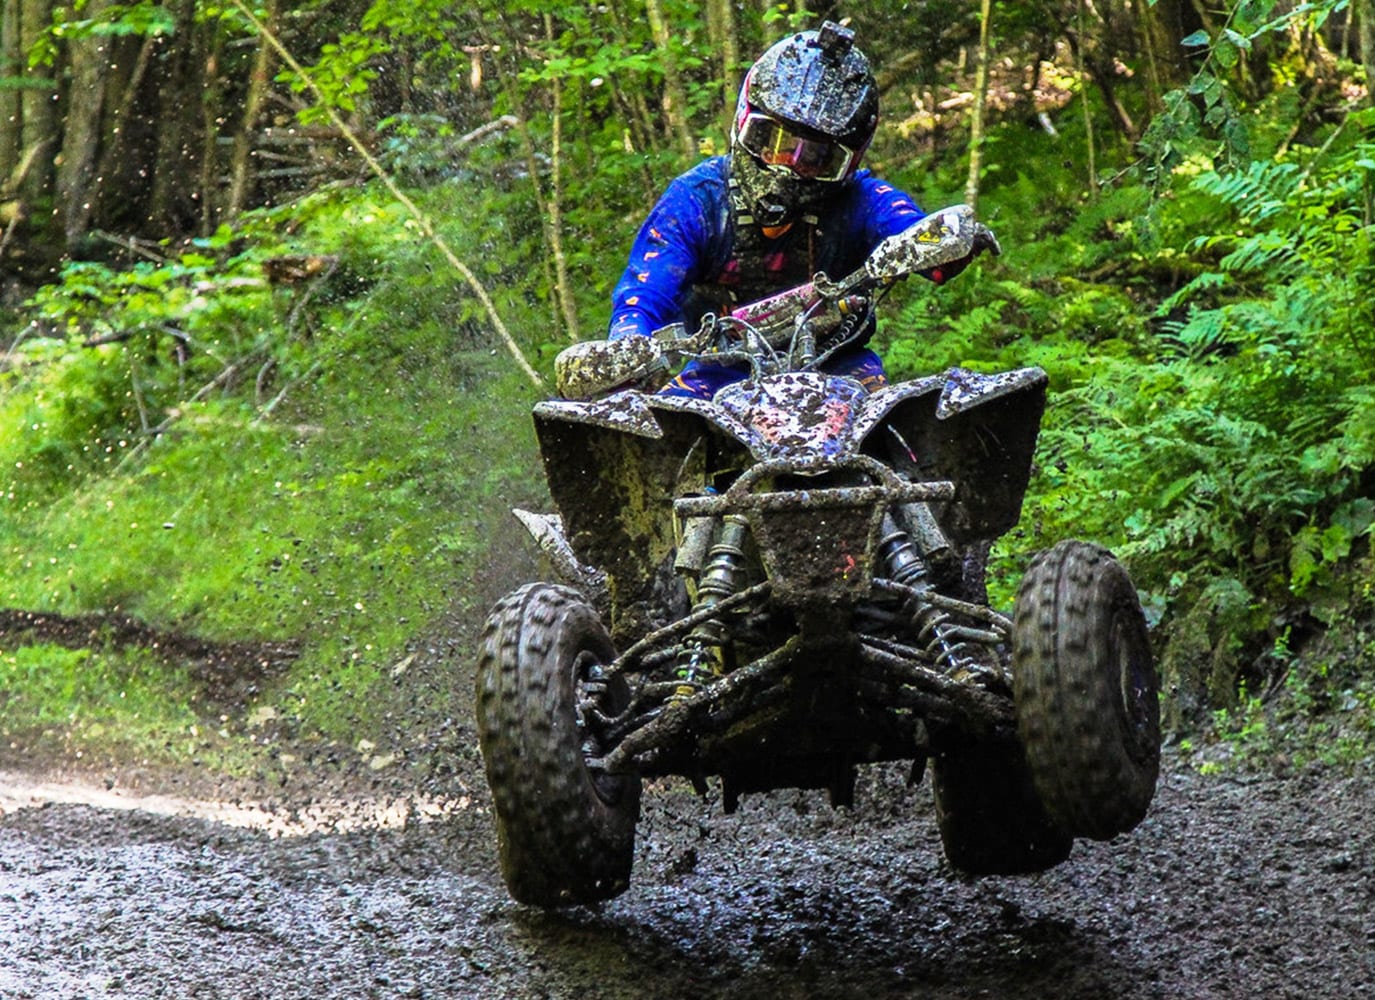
(775, 146)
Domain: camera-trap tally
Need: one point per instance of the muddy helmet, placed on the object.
(806, 113)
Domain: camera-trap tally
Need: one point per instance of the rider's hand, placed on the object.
(983, 240)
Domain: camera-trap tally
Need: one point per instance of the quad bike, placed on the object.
(785, 582)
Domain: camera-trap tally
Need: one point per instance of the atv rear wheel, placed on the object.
(566, 832)
(1086, 692)
(990, 818)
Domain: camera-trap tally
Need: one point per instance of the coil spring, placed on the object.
(700, 656)
(938, 634)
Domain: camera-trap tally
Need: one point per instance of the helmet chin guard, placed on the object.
(773, 197)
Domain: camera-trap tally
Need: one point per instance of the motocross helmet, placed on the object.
(806, 113)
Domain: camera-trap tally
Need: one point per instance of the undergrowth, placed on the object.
(339, 486)
(87, 701)
(1317, 706)
(1210, 360)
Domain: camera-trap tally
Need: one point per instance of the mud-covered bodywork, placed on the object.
(616, 465)
(978, 431)
(825, 482)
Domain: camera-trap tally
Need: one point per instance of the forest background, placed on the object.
(281, 283)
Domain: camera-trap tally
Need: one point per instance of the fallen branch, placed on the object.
(144, 248)
(482, 131)
(228, 374)
(266, 411)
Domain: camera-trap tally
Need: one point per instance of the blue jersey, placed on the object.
(683, 262)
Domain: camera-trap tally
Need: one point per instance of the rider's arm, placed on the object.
(669, 254)
(888, 210)
(891, 211)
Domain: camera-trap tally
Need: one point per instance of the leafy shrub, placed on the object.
(1218, 435)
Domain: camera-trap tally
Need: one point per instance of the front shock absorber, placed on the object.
(956, 649)
(900, 554)
(914, 548)
(701, 658)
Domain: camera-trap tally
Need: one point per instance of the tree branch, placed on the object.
(426, 227)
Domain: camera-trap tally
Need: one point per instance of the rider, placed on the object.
(789, 200)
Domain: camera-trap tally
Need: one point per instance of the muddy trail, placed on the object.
(344, 882)
(1234, 886)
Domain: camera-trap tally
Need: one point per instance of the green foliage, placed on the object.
(112, 353)
(1178, 132)
(1207, 117)
(142, 18)
(1249, 436)
(343, 489)
(1216, 434)
(96, 698)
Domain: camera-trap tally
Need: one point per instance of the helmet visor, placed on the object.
(775, 146)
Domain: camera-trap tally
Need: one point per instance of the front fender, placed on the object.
(978, 431)
(614, 467)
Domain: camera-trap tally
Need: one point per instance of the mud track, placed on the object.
(115, 882)
(1232, 887)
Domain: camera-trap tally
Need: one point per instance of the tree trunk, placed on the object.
(1150, 38)
(38, 111)
(212, 114)
(1365, 10)
(548, 204)
(177, 79)
(240, 179)
(976, 124)
(88, 60)
(553, 223)
(1163, 25)
(11, 65)
(119, 186)
(721, 28)
(675, 98)
(1089, 149)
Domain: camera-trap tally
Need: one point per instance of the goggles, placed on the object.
(812, 159)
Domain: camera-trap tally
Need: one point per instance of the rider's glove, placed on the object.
(983, 240)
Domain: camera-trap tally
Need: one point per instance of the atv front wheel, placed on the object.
(1086, 692)
(990, 819)
(566, 832)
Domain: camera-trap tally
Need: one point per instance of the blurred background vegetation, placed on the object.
(280, 285)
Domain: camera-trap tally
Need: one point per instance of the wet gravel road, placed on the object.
(1232, 887)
